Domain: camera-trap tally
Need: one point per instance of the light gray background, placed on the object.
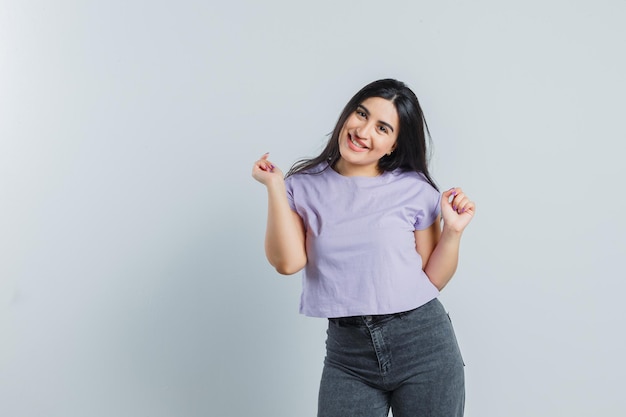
(133, 279)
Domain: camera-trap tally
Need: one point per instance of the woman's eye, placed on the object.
(361, 113)
(382, 129)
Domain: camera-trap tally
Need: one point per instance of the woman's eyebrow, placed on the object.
(380, 121)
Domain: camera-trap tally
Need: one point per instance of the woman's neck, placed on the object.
(348, 170)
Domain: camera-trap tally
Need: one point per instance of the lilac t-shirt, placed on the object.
(360, 241)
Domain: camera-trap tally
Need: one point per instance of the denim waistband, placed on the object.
(367, 319)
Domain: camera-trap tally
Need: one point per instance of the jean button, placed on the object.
(368, 318)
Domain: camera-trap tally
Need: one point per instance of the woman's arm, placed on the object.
(438, 248)
(284, 236)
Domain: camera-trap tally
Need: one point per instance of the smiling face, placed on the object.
(368, 134)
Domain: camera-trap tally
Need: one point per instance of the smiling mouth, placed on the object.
(356, 143)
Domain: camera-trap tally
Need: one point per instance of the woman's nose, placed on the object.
(364, 130)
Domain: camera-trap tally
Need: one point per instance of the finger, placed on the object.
(265, 165)
(458, 200)
(465, 205)
(269, 166)
(470, 208)
(451, 192)
(447, 195)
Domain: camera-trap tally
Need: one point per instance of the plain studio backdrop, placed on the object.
(133, 279)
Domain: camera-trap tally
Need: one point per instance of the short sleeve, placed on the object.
(430, 203)
(289, 188)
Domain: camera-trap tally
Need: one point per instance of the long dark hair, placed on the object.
(411, 152)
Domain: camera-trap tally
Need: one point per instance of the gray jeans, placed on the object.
(409, 362)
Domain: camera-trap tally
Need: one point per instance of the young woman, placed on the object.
(363, 219)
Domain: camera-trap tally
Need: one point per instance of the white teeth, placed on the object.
(355, 143)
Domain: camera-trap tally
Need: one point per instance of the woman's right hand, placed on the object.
(264, 171)
(285, 236)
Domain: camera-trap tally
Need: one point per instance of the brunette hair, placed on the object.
(411, 152)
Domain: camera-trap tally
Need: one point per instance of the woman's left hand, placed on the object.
(457, 210)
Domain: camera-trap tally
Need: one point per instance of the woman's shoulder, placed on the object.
(411, 177)
(307, 172)
(308, 176)
(415, 187)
